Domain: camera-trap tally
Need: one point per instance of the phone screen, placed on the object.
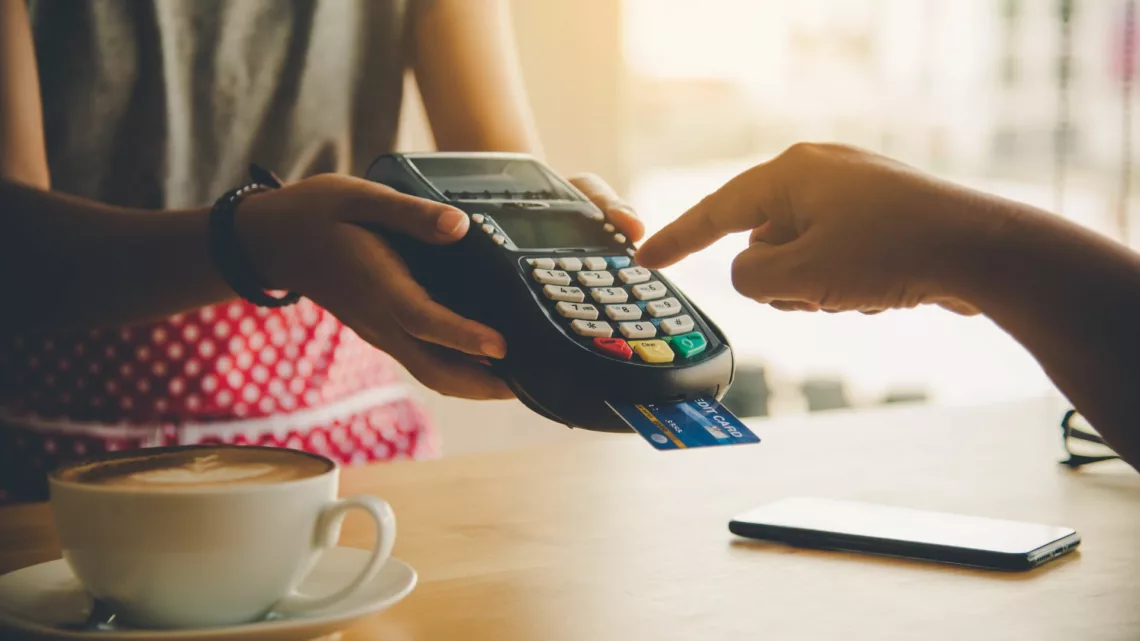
(900, 524)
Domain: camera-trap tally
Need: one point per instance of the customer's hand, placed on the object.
(617, 210)
(837, 228)
(309, 237)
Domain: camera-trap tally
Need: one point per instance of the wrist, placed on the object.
(980, 243)
(241, 262)
(259, 241)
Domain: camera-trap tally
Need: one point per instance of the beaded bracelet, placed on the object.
(226, 251)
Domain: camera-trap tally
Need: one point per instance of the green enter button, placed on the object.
(688, 345)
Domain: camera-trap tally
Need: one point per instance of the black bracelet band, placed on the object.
(227, 253)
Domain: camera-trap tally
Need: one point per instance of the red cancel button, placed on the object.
(615, 347)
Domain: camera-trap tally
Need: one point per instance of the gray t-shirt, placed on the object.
(163, 103)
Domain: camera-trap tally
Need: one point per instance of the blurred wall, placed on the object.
(571, 53)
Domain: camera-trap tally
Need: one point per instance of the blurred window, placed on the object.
(966, 89)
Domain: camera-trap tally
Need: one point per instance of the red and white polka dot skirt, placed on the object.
(230, 373)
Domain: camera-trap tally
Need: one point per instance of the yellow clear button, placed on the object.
(654, 351)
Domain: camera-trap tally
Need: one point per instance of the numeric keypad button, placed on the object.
(609, 294)
(623, 312)
(638, 330)
(570, 264)
(634, 275)
(577, 310)
(597, 329)
(596, 279)
(649, 291)
(677, 325)
(551, 277)
(663, 308)
(595, 264)
(542, 263)
(568, 294)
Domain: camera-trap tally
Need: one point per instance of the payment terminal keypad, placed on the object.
(616, 308)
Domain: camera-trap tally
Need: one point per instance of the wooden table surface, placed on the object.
(613, 540)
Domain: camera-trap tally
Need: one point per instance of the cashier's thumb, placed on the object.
(378, 206)
(767, 273)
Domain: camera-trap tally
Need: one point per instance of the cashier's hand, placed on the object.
(616, 209)
(310, 237)
(835, 228)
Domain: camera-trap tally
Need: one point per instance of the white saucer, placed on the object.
(41, 598)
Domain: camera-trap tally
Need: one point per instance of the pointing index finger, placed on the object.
(740, 205)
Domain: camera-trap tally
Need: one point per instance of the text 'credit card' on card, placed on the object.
(676, 426)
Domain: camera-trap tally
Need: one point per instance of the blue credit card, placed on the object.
(677, 426)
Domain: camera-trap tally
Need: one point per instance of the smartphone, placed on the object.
(913, 534)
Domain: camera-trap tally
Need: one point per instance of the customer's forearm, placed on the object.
(68, 262)
(1072, 298)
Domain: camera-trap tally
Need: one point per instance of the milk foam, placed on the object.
(204, 470)
(199, 467)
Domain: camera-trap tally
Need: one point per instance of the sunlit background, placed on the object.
(668, 99)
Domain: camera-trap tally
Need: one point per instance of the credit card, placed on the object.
(677, 426)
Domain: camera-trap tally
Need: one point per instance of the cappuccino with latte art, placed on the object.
(207, 535)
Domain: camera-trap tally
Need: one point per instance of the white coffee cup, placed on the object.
(209, 556)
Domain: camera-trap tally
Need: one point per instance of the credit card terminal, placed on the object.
(542, 265)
